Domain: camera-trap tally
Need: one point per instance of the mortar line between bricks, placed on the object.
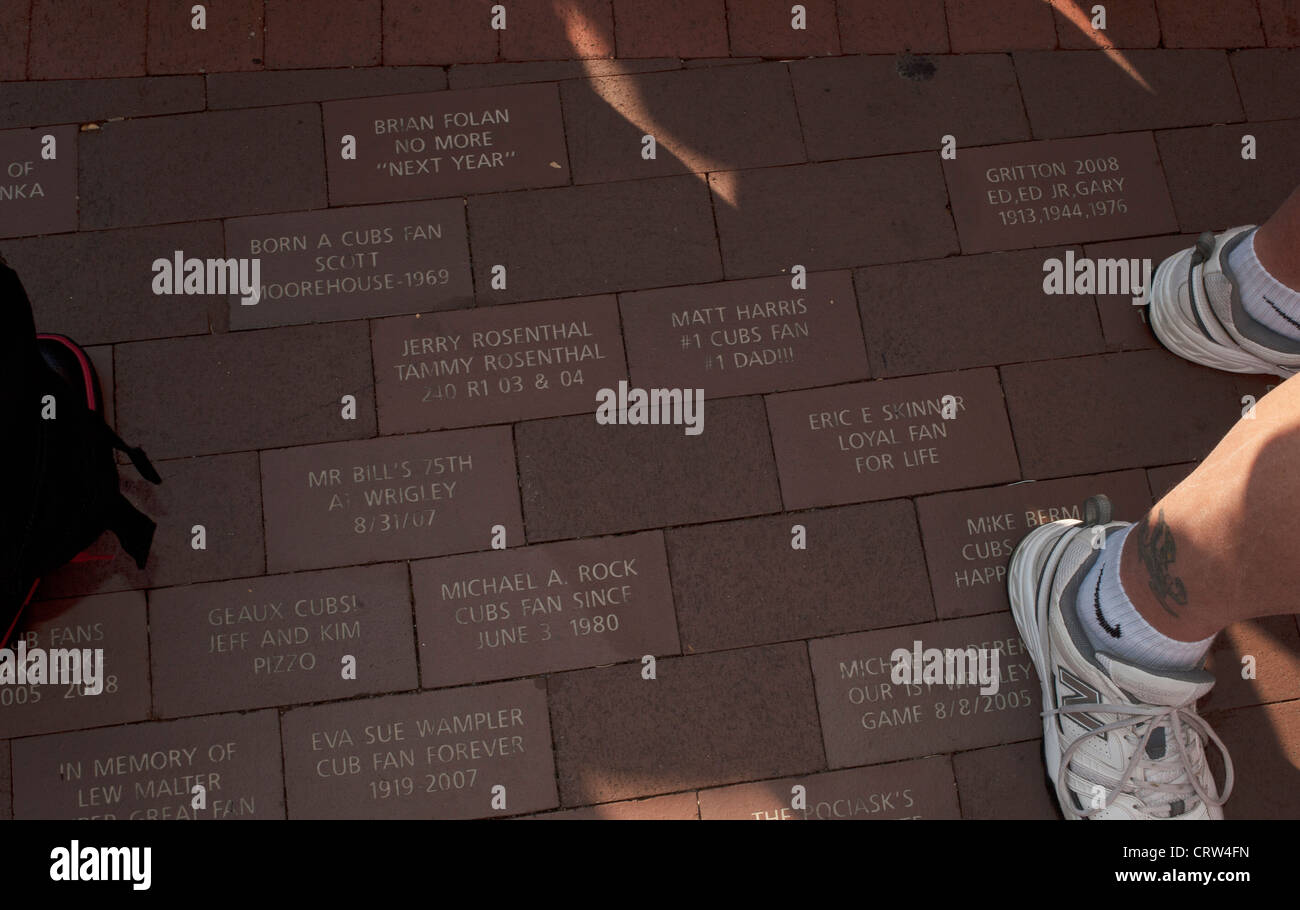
(798, 115)
(925, 559)
(555, 749)
(284, 768)
(726, 27)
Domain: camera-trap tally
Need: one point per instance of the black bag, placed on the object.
(65, 492)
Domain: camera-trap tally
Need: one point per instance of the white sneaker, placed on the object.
(1195, 310)
(1120, 741)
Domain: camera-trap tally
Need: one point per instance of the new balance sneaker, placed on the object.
(1195, 310)
(1119, 741)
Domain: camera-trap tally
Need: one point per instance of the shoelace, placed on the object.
(1180, 718)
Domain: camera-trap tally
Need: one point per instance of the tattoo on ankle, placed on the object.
(1156, 549)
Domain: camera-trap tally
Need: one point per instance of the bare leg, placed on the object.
(1224, 545)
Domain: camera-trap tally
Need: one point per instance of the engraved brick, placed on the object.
(866, 717)
(353, 263)
(970, 536)
(432, 755)
(495, 364)
(1063, 191)
(534, 610)
(391, 498)
(878, 440)
(742, 337)
(259, 642)
(148, 771)
(908, 790)
(38, 194)
(113, 625)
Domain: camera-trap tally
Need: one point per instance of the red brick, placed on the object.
(1264, 744)
(226, 90)
(1004, 317)
(1078, 93)
(84, 100)
(867, 718)
(219, 383)
(1265, 79)
(15, 22)
(333, 33)
(221, 493)
(1242, 192)
(579, 478)
(1005, 782)
(75, 302)
(82, 39)
(1162, 480)
(677, 807)
(973, 97)
(893, 26)
(480, 75)
(1281, 22)
(1210, 23)
(1274, 645)
(520, 736)
(907, 790)
(1159, 409)
(862, 567)
(231, 41)
(115, 625)
(1133, 23)
(546, 30)
(878, 440)
(671, 28)
(832, 215)
(439, 31)
(159, 170)
(1125, 325)
(762, 28)
(999, 25)
(703, 721)
(724, 118)
(577, 241)
(54, 776)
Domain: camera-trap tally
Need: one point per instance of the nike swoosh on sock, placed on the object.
(1112, 631)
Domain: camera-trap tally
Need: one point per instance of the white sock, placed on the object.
(1265, 298)
(1113, 624)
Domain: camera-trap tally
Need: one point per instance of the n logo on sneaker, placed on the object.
(1080, 694)
(1112, 631)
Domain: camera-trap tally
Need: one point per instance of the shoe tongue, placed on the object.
(1158, 687)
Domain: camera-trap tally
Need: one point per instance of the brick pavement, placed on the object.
(458, 595)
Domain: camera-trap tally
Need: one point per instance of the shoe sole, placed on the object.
(1029, 588)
